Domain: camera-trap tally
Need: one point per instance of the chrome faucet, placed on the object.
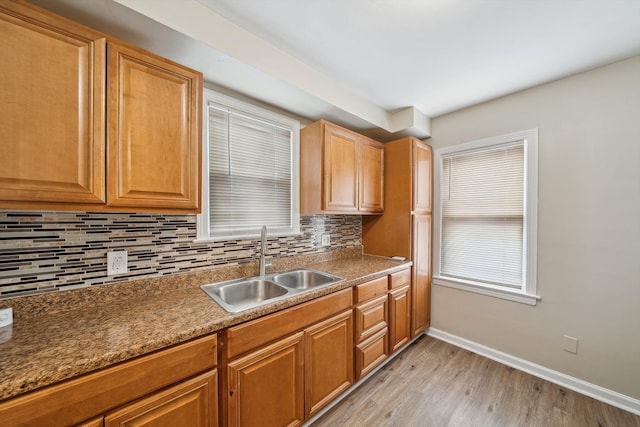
(263, 250)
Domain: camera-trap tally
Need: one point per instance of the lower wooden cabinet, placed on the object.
(399, 309)
(328, 362)
(283, 368)
(191, 403)
(371, 325)
(169, 381)
(399, 318)
(265, 387)
(277, 370)
(383, 316)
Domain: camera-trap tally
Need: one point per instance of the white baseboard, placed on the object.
(600, 393)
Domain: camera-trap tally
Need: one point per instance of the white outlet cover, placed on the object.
(117, 263)
(570, 344)
(326, 239)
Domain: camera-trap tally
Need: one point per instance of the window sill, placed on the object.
(483, 290)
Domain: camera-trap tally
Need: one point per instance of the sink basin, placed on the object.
(304, 279)
(238, 295)
(242, 294)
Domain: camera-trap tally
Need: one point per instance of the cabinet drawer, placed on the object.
(193, 402)
(399, 279)
(371, 289)
(371, 317)
(371, 352)
(255, 333)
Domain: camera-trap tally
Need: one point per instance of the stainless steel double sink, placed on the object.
(242, 294)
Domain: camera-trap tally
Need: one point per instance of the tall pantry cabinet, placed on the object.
(405, 228)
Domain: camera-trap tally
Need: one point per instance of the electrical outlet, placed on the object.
(570, 344)
(116, 263)
(326, 239)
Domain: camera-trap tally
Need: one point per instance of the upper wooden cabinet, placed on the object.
(54, 113)
(52, 127)
(154, 131)
(422, 185)
(371, 176)
(408, 191)
(341, 171)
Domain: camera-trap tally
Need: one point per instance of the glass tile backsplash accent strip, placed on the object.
(51, 251)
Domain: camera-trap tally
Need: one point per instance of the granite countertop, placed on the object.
(65, 334)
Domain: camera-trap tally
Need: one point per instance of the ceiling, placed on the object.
(386, 66)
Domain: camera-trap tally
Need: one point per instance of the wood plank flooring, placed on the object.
(433, 383)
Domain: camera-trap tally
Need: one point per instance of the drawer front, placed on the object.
(371, 353)
(255, 333)
(371, 289)
(371, 317)
(190, 403)
(399, 279)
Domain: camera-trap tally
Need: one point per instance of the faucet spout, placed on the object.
(263, 249)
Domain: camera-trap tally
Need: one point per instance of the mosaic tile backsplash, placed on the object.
(52, 251)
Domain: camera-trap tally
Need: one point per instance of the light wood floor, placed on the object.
(433, 383)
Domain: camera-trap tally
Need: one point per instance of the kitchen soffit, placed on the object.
(384, 64)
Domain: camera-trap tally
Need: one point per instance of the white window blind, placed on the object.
(251, 171)
(482, 196)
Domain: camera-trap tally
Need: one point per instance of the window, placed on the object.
(486, 216)
(250, 171)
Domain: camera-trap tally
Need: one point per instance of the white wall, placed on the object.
(588, 232)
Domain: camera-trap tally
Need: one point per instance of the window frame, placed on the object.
(203, 220)
(527, 294)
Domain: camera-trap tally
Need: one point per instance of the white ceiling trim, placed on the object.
(201, 23)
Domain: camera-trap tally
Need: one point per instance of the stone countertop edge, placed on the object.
(62, 335)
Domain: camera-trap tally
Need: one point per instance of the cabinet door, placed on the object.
(422, 182)
(421, 286)
(399, 318)
(154, 132)
(328, 361)
(371, 185)
(340, 170)
(191, 403)
(266, 386)
(51, 109)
